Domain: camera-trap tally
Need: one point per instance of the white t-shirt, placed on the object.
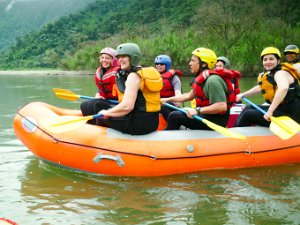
(176, 82)
(297, 66)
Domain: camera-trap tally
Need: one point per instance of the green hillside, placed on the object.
(19, 17)
(237, 29)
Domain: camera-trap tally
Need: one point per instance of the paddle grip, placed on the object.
(97, 116)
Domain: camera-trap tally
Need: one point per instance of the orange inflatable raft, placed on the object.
(101, 150)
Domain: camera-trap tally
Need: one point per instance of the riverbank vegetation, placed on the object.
(236, 29)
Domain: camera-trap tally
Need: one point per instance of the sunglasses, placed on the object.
(160, 64)
(288, 53)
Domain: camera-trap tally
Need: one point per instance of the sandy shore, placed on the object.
(44, 72)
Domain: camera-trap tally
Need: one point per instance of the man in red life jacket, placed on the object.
(105, 79)
(212, 90)
(171, 81)
(223, 62)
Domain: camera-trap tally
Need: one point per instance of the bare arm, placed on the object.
(176, 83)
(253, 91)
(283, 80)
(130, 95)
(215, 108)
(179, 98)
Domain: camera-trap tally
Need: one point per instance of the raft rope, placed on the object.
(151, 156)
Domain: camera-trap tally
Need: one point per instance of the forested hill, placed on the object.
(237, 29)
(19, 17)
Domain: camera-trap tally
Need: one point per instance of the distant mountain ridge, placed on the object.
(173, 27)
(19, 17)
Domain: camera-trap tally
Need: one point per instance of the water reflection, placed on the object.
(247, 196)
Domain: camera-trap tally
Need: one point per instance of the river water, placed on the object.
(34, 193)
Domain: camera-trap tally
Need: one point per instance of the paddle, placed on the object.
(210, 124)
(66, 123)
(69, 95)
(283, 126)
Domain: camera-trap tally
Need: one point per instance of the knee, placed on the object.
(87, 108)
(174, 115)
(84, 107)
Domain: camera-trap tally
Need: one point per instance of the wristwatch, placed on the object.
(198, 109)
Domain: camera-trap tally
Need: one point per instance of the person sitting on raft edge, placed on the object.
(138, 94)
(212, 90)
(105, 79)
(280, 87)
(171, 82)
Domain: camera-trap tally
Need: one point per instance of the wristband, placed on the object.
(198, 109)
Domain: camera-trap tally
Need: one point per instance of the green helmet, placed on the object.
(225, 61)
(130, 49)
(291, 48)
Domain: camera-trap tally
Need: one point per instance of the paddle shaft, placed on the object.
(109, 100)
(86, 97)
(70, 95)
(90, 98)
(254, 105)
(183, 111)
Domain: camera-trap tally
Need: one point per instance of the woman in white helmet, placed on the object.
(291, 53)
(105, 79)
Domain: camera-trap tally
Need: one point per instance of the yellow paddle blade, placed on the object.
(65, 94)
(223, 130)
(64, 123)
(284, 127)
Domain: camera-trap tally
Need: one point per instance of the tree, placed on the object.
(225, 22)
(51, 58)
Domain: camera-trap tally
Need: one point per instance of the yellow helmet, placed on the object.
(270, 50)
(206, 55)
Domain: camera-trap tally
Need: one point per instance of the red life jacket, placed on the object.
(197, 86)
(168, 89)
(235, 81)
(106, 81)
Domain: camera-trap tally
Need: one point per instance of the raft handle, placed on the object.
(101, 156)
